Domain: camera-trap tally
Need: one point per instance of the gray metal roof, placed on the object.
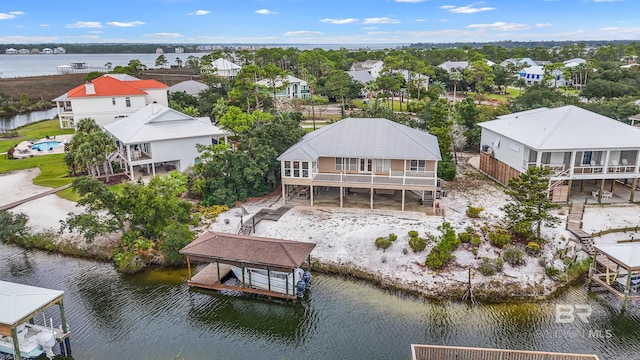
(627, 255)
(190, 87)
(18, 301)
(361, 76)
(453, 65)
(374, 138)
(565, 128)
(157, 122)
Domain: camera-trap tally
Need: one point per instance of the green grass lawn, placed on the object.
(37, 130)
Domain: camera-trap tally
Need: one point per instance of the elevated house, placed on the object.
(373, 67)
(222, 67)
(291, 87)
(157, 135)
(108, 98)
(362, 156)
(575, 144)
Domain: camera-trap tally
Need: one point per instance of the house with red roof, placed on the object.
(109, 98)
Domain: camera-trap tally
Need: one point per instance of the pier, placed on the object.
(437, 352)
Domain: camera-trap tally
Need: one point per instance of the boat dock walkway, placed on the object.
(574, 225)
(248, 226)
(30, 198)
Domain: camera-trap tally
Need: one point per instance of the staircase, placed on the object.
(246, 228)
(574, 225)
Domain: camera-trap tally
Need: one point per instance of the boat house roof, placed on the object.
(20, 302)
(246, 250)
(625, 255)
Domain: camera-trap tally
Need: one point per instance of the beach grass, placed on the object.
(36, 130)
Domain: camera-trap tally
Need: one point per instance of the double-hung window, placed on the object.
(418, 165)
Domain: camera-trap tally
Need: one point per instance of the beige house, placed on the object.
(364, 156)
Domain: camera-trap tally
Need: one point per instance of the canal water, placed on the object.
(15, 121)
(155, 315)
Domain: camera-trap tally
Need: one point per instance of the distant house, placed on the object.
(159, 51)
(190, 87)
(222, 67)
(574, 62)
(362, 76)
(59, 50)
(454, 65)
(179, 50)
(532, 74)
(518, 62)
(47, 51)
(157, 135)
(294, 88)
(373, 67)
(23, 51)
(108, 98)
(575, 144)
(11, 51)
(361, 155)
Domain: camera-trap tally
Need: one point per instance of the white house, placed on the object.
(223, 68)
(574, 62)
(157, 135)
(574, 143)
(108, 98)
(532, 74)
(294, 88)
(11, 51)
(454, 65)
(47, 51)
(373, 67)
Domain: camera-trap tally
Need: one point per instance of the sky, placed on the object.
(316, 21)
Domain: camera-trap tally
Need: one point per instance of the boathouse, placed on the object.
(19, 305)
(616, 267)
(263, 266)
(429, 352)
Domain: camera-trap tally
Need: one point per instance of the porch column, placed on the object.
(371, 198)
(600, 191)
(606, 162)
(16, 344)
(581, 185)
(153, 169)
(341, 194)
(572, 165)
(627, 286)
(284, 194)
(131, 175)
(635, 168)
(311, 194)
(634, 183)
(402, 208)
(569, 190)
(538, 158)
(613, 183)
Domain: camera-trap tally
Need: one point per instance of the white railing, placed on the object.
(427, 178)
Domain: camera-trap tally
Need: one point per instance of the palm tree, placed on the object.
(455, 76)
(520, 83)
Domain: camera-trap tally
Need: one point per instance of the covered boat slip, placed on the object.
(437, 352)
(264, 266)
(616, 267)
(19, 304)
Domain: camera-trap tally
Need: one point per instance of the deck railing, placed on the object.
(427, 178)
(431, 352)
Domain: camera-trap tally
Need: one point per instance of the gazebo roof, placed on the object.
(249, 250)
(19, 302)
(625, 255)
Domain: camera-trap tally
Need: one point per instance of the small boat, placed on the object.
(293, 283)
(34, 340)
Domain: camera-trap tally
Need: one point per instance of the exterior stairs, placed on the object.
(574, 225)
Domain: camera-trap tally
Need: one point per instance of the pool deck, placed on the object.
(23, 149)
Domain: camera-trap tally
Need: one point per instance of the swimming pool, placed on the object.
(46, 145)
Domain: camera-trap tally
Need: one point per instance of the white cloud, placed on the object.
(339, 21)
(44, 25)
(10, 15)
(95, 32)
(370, 27)
(500, 26)
(468, 9)
(421, 20)
(17, 13)
(200, 12)
(302, 33)
(381, 20)
(410, 1)
(84, 24)
(265, 12)
(378, 32)
(541, 25)
(125, 24)
(163, 35)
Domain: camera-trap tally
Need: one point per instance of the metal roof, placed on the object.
(190, 87)
(156, 122)
(18, 302)
(626, 255)
(250, 250)
(374, 138)
(565, 128)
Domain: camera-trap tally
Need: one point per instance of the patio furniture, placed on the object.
(303, 192)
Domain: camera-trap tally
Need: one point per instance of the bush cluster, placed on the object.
(464, 237)
(385, 242)
(533, 247)
(514, 255)
(473, 211)
(441, 253)
(416, 243)
(499, 237)
(490, 267)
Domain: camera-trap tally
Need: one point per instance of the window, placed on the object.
(586, 157)
(383, 165)
(346, 164)
(296, 169)
(418, 165)
(113, 101)
(338, 164)
(127, 102)
(287, 168)
(305, 169)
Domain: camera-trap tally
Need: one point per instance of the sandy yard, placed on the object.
(345, 237)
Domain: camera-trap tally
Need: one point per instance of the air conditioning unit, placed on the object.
(485, 148)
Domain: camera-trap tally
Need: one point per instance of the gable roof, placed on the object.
(288, 78)
(375, 138)
(361, 76)
(18, 301)
(107, 85)
(224, 64)
(565, 128)
(535, 70)
(190, 87)
(452, 65)
(250, 250)
(156, 122)
(366, 65)
(626, 255)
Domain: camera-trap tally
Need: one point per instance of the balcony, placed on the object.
(413, 179)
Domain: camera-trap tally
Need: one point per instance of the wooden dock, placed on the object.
(435, 352)
(30, 198)
(247, 226)
(574, 225)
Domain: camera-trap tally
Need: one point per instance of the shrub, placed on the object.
(405, 251)
(474, 251)
(533, 247)
(437, 258)
(13, 225)
(413, 233)
(393, 237)
(464, 237)
(486, 267)
(499, 237)
(514, 255)
(475, 240)
(498, 263)
(552, 272)
(417, 244)
(383, 243)
(474, 212)
(523, 229)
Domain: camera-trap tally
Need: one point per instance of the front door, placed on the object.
(365, 165)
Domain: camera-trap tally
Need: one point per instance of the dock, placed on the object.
(437, 352)
(30, 198)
